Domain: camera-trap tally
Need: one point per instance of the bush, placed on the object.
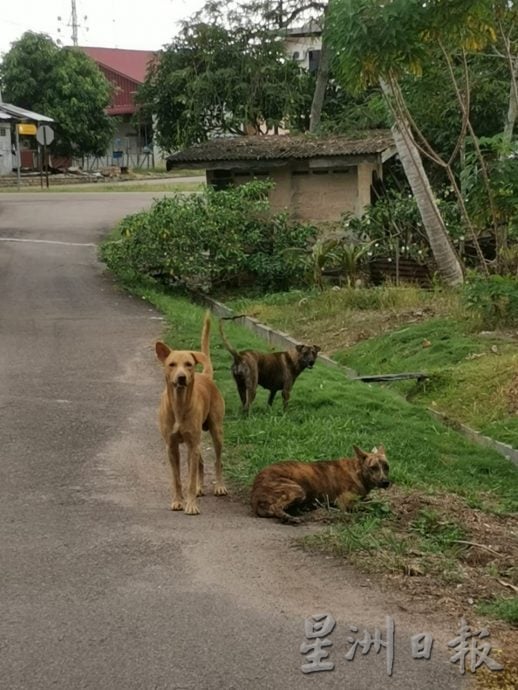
(494, 298)
(213, 239)
(393, 224)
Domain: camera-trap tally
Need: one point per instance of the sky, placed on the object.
(109, 23)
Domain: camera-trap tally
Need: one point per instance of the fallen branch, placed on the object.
(479, 546)
(507, 584)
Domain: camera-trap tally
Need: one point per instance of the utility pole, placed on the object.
(75, 25)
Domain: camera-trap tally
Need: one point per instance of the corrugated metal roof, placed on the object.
(23, 114)
(129, 63)
(277, 147)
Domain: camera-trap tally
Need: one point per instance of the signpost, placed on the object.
(27, 129)
(45, 137)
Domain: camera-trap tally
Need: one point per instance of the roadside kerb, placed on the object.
(279, 339)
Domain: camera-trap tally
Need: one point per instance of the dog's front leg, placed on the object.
(173, 453)
(191, 505)
(199, 489)
(251, 383)
(286, 394)
(217, 440)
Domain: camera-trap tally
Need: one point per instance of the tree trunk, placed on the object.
(320, 88)
(443, 251)
(512, 112)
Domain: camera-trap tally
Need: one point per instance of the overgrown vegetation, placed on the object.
(505, 609)
(434, 469)
(61, 83)
(328, 413)
(213, 240)
(494, 299)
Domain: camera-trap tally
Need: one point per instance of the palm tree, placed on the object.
(375, 41)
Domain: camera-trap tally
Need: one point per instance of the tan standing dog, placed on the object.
(189, 404)
(294, 484)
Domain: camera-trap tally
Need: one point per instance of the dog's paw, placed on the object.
(200, 491)
(191, 508)
(177, 505)
(292, 520)
(220, 490)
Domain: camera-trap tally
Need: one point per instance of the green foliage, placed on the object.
(494, 298)
(64, 84)
(226, 79)
(328, 413)
(469, 374)
(213, 239)
(404, 32)
(436, 110)
(505, 609)
(393, 224)
(502, 168)
(436, 533)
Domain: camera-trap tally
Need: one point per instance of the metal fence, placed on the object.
(123, 159)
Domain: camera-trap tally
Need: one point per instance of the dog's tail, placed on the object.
(208, 369)
(235, 354)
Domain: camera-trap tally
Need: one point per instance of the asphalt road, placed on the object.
(101, 585)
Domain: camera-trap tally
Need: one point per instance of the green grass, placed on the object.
(470, 383)
(504, 609)
(328, 413)
(310, 313)
(371, 537)
(468, 380)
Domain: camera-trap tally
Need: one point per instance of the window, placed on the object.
(314, 61)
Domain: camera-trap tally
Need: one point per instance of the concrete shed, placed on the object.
(316, 178)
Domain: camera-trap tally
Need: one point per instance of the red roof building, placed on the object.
(126, 70)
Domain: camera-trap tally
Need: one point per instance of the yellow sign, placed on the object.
(27, 129)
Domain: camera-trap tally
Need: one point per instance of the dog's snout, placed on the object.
(385, 484)
(181, 380)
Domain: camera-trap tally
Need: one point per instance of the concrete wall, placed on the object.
(318, 196)
(6, 158)
(365, 173)
(298, 47)
(325, 195)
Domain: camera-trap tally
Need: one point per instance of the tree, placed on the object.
(386, 40)
(220, 77)
(64, 84)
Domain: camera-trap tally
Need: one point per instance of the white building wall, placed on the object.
(6, 157)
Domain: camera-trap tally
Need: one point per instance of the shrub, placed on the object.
(494, 298)
(217, 238)
(393, 225)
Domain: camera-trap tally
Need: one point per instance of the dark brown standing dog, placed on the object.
(189, 404)
(275, 371)
(299, 484)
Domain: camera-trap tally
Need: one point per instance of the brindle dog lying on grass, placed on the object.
(293, 484)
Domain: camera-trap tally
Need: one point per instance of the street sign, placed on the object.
(45, 135)
(27, 129)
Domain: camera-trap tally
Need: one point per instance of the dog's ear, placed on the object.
(162, 351)
(316, 348)
(300, 348)
(381, 449)
(200, 358)
(360, 454)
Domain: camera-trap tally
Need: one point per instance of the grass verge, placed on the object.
(503, 609)
(389, 330)
(424, 531)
